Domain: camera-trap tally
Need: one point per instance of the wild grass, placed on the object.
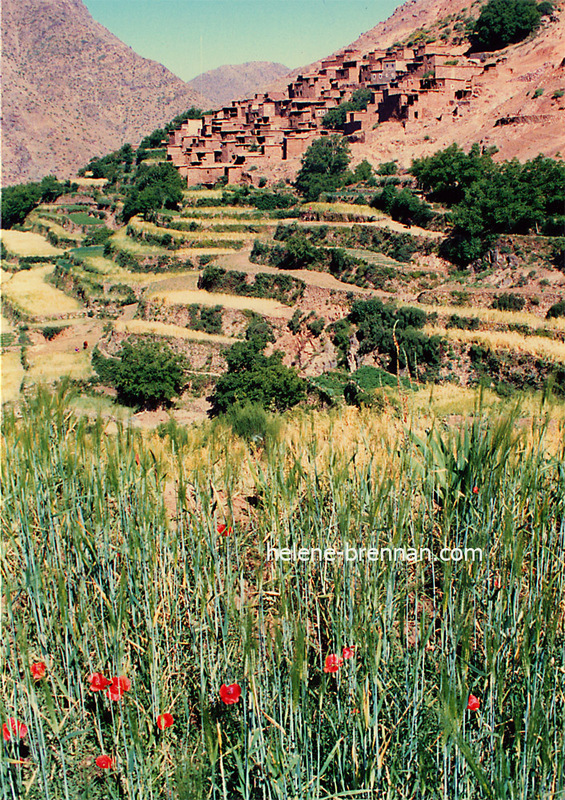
(27, 290)
(112, 562)
(501, 340)
(270, 308)
(189, 236)
(57, 365)
(347, 211)
(173, 331)
(26, 243)
(493, 315)
(11, 374)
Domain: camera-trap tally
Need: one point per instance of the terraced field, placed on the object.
(30, 292)
(27, 243)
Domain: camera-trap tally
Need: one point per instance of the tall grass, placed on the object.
(112, 561)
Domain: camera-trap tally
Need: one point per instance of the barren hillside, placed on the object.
(72, 90)
(237, 80)
(513, 105)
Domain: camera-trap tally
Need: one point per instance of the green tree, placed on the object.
(155, 186)
(145, 374)
(253, 377)
(504, 22)
(324, 166)
(18, 201)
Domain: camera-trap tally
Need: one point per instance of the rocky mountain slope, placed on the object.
(72, 90)
(515, 106)
(233, 81)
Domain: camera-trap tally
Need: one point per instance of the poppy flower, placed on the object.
(105, 762)
(348, 652)
(473, 704)
(230, 694)
(164, 721)
(118, 687)
(333, 663)
(38, 670)
(224, 530)
(475, 489)
(98, 682)
(13, 727)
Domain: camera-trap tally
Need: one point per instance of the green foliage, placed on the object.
(324, 165)
(144, 373)
(18, 201)
(284, 288)
(387, 168)
(403, 206)
(113, 166)
(507, 301)
(538, 92)
(545, 8)
(504, 22)
(205, 318)
(490, 199)
(155, 187)
(256, 378)
(253, 424)
(336, 117)
(558, 94)
(556, 310)
(394, 333)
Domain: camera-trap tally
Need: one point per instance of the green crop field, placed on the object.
(151, 560)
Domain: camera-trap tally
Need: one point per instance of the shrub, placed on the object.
(509, 302)
(504, 22)
(256, 378)
(18, 201)
(556, 310)
(324, 165)
(144, 373)
(252, 423)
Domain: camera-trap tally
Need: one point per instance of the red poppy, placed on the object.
(475, 489)
(38, 670)
(164, 721)
(98, 682)
(348, 652)
(118, 687)
(105, 762)
(224, 530)
(230, 694)
(333, 663)
(13, 727)
(473, 704)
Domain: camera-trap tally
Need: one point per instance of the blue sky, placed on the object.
(193, 36)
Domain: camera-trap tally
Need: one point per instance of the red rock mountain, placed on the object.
(72, 90)
(233, 81)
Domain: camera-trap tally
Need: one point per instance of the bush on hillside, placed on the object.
(145, 374)
(324, 167)
(504, 22)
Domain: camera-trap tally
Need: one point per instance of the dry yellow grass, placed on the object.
(270, 308)
(347, 209)
(55, 365)
(6, 326)
(190, 236)
(500, 340)
(57, 229)
(90, 181)
(493, 315)
(174, 331)
(11, 374)
(28, 291)
(26, 243)
(109, 269)
(197, 194)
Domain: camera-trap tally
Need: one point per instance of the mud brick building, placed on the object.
(407, 84)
